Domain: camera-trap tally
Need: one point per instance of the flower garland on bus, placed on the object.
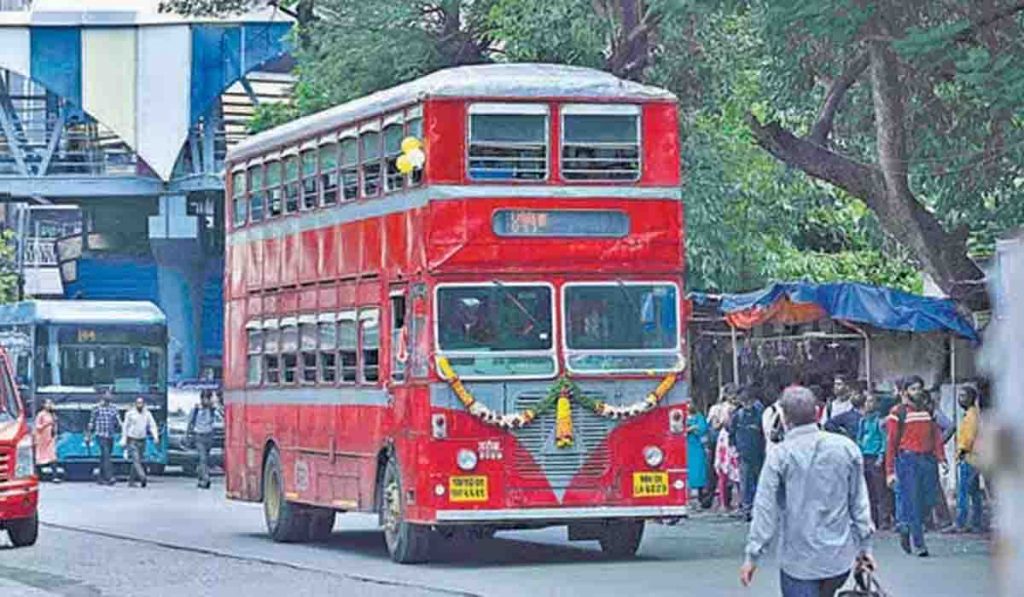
(559, 395)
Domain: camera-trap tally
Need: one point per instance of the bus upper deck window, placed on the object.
(291, 184)
(329, 173)
(600, 142)
(349, 167)
(508, 142)
(239, 202)
(369, 146)
(273, 186)
(309, 186)
(256, 193)
(414, 128)
(394, 132)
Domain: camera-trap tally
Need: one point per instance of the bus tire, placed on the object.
(286, 521)
(321, 524)
(407, 543)
(24, 532)
(621, 539)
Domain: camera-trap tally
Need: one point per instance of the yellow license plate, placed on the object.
(650, 484)
(471, 488)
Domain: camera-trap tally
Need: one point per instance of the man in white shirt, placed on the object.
(138, 423)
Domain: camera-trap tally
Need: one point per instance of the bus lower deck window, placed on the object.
(328, 333)
(289, 354)
(348, 349)
(369, 332)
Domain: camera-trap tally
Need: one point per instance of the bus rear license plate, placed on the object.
(650, 484)
(468, 488)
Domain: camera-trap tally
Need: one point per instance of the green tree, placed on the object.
(913, 107)
(8, 267)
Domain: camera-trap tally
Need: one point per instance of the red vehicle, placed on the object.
(457, 303)
(19, 486)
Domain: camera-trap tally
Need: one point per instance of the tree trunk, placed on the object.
(885, 187)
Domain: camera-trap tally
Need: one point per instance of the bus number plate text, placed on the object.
(472, 488)
(650, 484)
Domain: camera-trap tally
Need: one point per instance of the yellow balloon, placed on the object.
(404, 164)
(410, 144)
(417, 158)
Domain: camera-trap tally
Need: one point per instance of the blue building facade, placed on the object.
(126, 114)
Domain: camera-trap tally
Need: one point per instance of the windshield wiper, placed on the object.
(629, 297)
(508, 295)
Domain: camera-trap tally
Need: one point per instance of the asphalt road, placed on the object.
(172, 539)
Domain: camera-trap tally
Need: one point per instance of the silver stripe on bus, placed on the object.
(416, 198)
(542, 514)
(300, 396)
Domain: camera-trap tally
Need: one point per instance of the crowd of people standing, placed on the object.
(900, 440)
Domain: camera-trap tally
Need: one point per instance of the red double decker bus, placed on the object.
(458, 303)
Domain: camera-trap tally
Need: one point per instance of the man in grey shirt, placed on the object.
(200, 431)
(813, 494)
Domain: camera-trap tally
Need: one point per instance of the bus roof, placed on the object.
(493, 81)
(78, 311)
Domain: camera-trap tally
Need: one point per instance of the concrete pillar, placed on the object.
(174, 239)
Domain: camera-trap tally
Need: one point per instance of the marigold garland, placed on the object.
(559, 395)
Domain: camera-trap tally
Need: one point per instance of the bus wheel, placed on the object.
(24, 532)
(321, 523)
(407, 543)
(285, 520)
(621, 539)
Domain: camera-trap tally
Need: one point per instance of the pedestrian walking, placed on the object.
(200, 434)
(913, 451)
(746, 434)
(44, 435)
(871, 441)
(848, 421)
(104, 423)
(138, 423)
(840, 403)
(812, 495)
(970, 501)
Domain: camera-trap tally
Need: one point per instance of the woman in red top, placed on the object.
(45, 438)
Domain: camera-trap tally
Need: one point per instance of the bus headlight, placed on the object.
(24, 459)
(466, 459)
(676, 421)
(653, 456)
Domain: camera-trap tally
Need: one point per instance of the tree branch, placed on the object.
(826, 116)
(814, 159)
(968, 33)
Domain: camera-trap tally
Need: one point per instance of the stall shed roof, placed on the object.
(83, 312)
(519, 81)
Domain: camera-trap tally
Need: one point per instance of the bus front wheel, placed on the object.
(407, 543)
(621, 539)
(285, 520)
(24, 532)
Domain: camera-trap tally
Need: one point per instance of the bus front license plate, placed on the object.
(471, 488)
(650, 484)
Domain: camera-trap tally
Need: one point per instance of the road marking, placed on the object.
(261, 560)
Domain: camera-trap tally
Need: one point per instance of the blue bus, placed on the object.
(71, 351)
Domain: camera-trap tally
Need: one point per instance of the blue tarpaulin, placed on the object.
(880, 307)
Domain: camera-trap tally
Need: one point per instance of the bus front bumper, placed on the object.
(18, 499)
(526, 515)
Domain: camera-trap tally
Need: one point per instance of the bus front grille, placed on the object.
(586, 461)
(5, 465)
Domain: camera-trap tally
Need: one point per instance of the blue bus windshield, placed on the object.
(125, 359)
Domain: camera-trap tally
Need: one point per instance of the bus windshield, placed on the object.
(127, 359)
(622, 326)
(9, 409)
(496, 330)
